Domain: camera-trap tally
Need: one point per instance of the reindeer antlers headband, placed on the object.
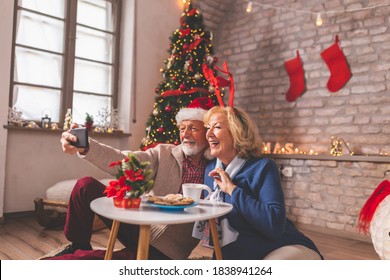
(218, 82)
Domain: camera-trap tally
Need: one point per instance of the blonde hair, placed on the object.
(246, 139)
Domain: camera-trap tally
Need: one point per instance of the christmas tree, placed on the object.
(183, 78)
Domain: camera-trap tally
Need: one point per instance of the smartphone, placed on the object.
(82, 137)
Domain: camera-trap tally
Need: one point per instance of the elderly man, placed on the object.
(173, 166)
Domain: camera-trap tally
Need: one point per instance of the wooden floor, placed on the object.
(22, 238)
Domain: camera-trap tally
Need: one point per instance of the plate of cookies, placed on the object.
(171, 202)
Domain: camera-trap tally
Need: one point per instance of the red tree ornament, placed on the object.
(182, 87)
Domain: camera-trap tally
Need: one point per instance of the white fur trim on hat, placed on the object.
(194, 114)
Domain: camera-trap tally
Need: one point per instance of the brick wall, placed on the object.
(330, 193)
(326, 193)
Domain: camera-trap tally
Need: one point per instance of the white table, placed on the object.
(148, 215)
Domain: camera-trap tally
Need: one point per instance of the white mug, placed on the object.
(195, 190)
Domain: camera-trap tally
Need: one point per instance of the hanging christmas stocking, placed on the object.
(296, 74)
(338, 66)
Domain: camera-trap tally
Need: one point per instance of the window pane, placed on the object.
(92, 77)
(91, 104)
(35, 67)
(35, 102)
(95, 13)
(52, 7)
(93, 44)
(40, 32)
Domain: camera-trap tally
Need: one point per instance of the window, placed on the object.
(65, 56)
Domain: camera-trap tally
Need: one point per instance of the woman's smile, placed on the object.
(220, 139)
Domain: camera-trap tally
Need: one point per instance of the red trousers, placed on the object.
(79, 219)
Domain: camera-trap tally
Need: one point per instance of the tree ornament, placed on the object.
(211, 89)
(186, 66)
(338, 66)
(176, 143)
(156, 90)
(185, 47)
(169, 64)
(160, 129)
(209, 59)
(146, 140)
(197, 77)
(168, 109)
(296, 75)
(182, 87)
(155, 112)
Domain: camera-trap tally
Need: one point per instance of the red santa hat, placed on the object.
(369, 208)
(195, 110)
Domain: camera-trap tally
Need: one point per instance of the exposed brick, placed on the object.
(256, 46)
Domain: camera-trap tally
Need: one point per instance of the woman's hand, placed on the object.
(67, 138)
(223, 180)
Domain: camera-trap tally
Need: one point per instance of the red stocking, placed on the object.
(296, 74)
(338, 66)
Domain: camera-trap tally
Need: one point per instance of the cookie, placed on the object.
(171, 199)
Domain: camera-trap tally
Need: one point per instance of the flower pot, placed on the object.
(89, 126)
(127, 203)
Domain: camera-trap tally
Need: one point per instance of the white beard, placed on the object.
(191, 150)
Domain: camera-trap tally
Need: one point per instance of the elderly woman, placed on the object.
(257, 228)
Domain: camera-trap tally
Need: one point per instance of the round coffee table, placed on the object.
(148, 215)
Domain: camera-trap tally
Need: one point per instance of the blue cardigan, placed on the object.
(259, 213)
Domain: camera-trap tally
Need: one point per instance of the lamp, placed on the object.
(319, 19)
(249, 7)
(45, 121)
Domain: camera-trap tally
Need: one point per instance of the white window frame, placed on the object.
(69, 57)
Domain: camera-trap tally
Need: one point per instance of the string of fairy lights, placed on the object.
(318, 14)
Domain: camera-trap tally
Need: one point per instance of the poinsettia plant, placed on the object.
(133, 178)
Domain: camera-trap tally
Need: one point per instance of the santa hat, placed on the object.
(195, 110)
(369, 208)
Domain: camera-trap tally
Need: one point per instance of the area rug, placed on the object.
(95, 254)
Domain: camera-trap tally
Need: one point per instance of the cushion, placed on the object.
(61, 191)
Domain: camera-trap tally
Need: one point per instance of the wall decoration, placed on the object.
(338, 66)
(14, 117)
(46, 122)
(296, 75)
(68, 119)
(108, 119)
(288, 148)
(337, 146)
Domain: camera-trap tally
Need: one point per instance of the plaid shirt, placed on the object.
(191, 172)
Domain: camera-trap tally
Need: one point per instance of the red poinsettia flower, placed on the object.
(122, 181)
(118, 162)
(112, 189)
(134, 176)
(132, 179)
